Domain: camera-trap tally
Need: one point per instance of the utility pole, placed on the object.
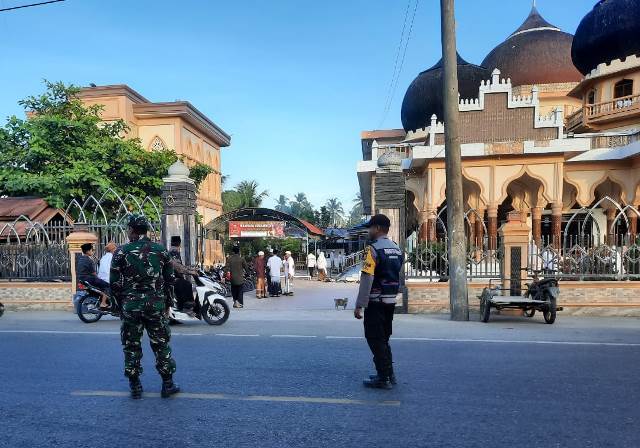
(458, 298)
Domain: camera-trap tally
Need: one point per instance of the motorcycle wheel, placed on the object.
(85, 304)
(550, 312)
(530, 313)
(215, 313)
(485, 309)
(1, 309)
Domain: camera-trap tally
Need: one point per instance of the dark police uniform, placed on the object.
(380, 284)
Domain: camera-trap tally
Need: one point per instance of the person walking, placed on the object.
(104, 265)
(260, 266)
(322, 267)
(236, 266)
(311, 264)
(379, 286)
(141, 274)
(289, 273)
(275, 266)
(268, 274)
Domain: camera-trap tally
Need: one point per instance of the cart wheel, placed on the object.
(530, 313)
(485, 309)
(550, 312)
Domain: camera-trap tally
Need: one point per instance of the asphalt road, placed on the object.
(293, 379)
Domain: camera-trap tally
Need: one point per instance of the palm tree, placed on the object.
(357, 201)
(249, 195)
(282, 204)
(335, 211)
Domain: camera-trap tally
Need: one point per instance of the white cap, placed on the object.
(260, 253)
(288, 253)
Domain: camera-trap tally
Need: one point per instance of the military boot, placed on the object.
(392, 378)
(136, 388)
(378, 382)
(168, 387)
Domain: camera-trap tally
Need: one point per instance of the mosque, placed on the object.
(550, 127)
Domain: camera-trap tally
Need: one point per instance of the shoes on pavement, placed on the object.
(236, 304)
(392, 378)
(169, 388)
(136, 388)
(378, 383)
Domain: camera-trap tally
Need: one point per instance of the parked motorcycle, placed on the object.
(210, 304)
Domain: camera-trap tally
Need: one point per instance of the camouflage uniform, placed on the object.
(140, 270)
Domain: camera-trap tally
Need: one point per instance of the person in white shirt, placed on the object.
(322, 267)
(104, 270)
(289, 273)
(311, 264)
(275, 266)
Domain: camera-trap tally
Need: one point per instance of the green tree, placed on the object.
(334, 206)
(199, 172)
(357, 211)
(63, 150)
(282, 204)
(301, 208)
(324, 220)
(249, 194)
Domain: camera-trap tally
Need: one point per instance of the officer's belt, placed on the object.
(387, 300)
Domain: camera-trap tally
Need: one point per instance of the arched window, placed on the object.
(157, 144)
(623, 88)
(591, 97)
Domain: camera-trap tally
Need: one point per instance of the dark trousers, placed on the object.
(311, 271)
(184, 293)
(237, 293)
(378, 327)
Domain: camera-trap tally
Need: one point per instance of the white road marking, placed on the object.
(237, 335)
(507, 341)
(281, 399)
(423, 339)
(292, 336)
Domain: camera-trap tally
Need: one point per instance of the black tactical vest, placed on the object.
(389, 259)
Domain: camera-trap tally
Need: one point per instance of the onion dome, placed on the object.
(536, 53)
(424, 97)
(610, 31)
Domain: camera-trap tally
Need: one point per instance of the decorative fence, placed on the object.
(34, 251)
(429, 261)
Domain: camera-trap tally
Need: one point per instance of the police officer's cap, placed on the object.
(138, 221)
(378, 220)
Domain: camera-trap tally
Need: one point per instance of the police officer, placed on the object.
(140, 272)
(379, 286)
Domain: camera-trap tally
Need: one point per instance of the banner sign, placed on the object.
(256, 229)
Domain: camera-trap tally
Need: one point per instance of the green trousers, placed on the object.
(137, 316)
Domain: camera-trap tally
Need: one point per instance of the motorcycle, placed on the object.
(210, 304)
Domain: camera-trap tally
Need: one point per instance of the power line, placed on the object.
(396, 78)
(29, 6)
(395, 64)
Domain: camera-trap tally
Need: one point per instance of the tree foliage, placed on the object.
(63, 150)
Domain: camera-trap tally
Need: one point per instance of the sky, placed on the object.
(293, 82)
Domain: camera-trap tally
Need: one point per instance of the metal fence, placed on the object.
(34, 251)
(429, 261)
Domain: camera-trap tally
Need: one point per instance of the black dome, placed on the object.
(610, 31)
(424, 95)
(536, 53)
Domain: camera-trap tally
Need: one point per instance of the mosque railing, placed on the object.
(616, 107)
(429, 261)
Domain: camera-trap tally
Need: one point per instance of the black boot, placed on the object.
(392, 378)
(378, 382)
(168, 388)
(136, 388)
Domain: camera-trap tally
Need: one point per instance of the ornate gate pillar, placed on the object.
(390, 200)
(179, 211)
(515, 239)
(75, 239)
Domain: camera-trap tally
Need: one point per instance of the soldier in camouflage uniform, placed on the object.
(140, 272)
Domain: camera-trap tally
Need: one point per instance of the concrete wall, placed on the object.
(36, 296)
(577, 298)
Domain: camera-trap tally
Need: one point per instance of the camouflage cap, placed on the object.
(138, 220)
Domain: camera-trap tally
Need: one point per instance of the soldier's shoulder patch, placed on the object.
(369, 263)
